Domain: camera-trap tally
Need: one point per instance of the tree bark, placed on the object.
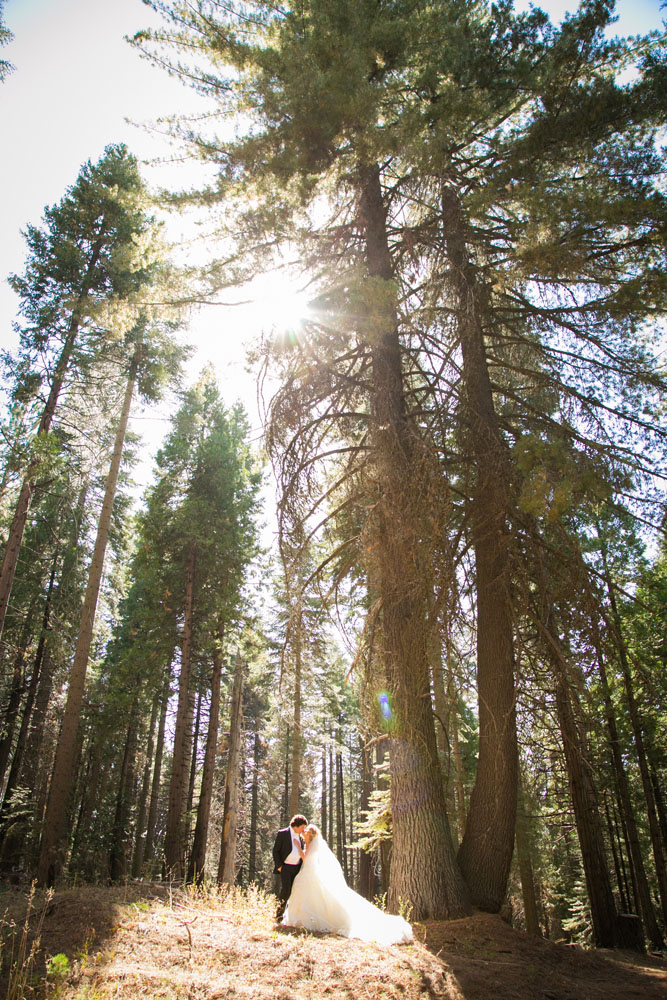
(198, 854)
(61, 780)
(173, 841)
(227, 864)
(424, 868)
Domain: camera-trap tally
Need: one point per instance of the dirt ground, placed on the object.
(143, 941)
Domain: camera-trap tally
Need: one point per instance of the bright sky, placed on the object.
(76, 81)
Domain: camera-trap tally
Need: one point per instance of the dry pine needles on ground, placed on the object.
(139, 941)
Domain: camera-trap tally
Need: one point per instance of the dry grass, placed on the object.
(139, 941)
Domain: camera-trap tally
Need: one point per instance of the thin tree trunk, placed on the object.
(140, 838)
(61, 780)
(296, 719)
(227, 864)
(120, 839)
(149, 846)
(332, 821)
(486, 849)
(286, 797)
(365, 859)
(15, 537)
(254, 805)
(385, 843)
(458, 759)
(617, 855)
(198, 855)
(189, 804)
(340, 799)
(523, 849)
(173, 841)
(424, 869)
(324, 797)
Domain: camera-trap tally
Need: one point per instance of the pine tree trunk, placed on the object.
(332, 821)
(227, 864)
(617, 855)
(189, 804)
(119, 844)
(254, 805)
(324, 797)
(286, 798)
(61, 779)
(15, 537)
(365, 859)
(340, 814)
(173, 840)
(486, 849)
(386, 843)
(296, 708)
(149, 847)
(458, 759)
(523, 850)
(424, 868)
(140, 837)
(198, 855)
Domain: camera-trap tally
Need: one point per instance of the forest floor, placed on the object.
(125, 943)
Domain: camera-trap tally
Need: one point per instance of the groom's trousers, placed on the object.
(287, 875)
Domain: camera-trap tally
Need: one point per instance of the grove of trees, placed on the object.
(453, 659)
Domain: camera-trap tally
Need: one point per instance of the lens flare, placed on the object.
(385, 706)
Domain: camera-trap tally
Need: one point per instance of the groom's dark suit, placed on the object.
(281, 850)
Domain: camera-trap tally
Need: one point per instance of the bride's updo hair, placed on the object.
(312, 829)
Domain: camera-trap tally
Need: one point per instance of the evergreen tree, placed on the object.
(90, 251)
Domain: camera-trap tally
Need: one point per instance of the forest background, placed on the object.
(130, 810)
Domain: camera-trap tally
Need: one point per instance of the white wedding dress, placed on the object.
(321, 900)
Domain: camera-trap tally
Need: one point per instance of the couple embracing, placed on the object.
(315, 895)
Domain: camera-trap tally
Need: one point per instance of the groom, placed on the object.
(286, 858)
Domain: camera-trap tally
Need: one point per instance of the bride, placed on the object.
(321, 900)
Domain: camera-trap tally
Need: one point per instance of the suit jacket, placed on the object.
(282, 848)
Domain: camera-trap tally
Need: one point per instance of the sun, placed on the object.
(277, 303)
